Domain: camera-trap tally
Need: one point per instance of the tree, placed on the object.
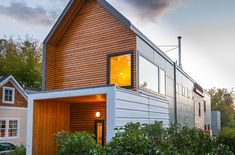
(221, 100)
(23, 60)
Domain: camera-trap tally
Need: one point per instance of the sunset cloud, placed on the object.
(32, 15)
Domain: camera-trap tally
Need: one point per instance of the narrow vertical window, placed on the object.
(199, 109)
(12, 129)
(2, 128)
(204, 106)
(162, 79)
(148, 75)
(120, 69)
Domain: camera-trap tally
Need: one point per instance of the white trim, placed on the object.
(16, 85)
(3, 95)
(108, 90)
(12, 108)
(7, 119)
(29, 140)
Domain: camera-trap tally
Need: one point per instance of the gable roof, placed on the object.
(74, 6)
(5, 79)
(69, 13)
(2, 78)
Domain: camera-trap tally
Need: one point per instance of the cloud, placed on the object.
(151, 9)
(30, 15)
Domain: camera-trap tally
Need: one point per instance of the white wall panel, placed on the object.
(136, 107)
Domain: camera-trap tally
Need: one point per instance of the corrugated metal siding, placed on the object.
(136, 107)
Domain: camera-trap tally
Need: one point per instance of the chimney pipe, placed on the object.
(179, 47)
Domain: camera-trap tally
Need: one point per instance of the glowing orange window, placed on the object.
(120, 69)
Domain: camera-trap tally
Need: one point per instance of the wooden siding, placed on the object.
(83, 116)
(49, 118)
(79, 58)
(20, 101)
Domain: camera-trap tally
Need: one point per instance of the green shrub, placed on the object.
(133, 141)
(21, 150)
(227, 137)
(77, 143)
(154, 139)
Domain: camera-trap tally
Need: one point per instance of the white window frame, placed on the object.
(13, 95)
(7, 128)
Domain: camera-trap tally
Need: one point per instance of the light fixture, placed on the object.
(97, 114)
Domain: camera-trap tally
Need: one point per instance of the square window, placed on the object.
(8, 95)
(120, 69)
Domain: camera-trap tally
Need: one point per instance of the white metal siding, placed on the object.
(136, 107)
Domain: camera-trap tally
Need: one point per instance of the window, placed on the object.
(12, 130)
(188, 94)
(205, 127)
(148, 75)
(120, 69)
(204, 106)
(209, 127)
(8, 95)
(199, 109)
(177, 88)
(183, 91)
(162, 81)
(9, 128)
(2, 128)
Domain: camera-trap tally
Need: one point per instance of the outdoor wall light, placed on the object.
(97, 114)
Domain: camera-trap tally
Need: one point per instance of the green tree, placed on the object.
(22, 58)
(221, 100)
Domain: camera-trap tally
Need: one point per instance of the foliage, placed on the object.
(221, 100)
(154, 139)
(227, 136)
(22, 59)
(19, 151)
(77, 143)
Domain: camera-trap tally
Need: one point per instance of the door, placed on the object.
(99, 131)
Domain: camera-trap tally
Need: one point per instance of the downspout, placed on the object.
(175, 95)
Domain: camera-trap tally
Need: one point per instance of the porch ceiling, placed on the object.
(80, 99)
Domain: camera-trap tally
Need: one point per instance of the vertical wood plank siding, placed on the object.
(83, 116)
(79, 58)
(49, 118)
(20, 101)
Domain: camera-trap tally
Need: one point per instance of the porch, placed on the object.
(76, 110)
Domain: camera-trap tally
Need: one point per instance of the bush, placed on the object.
(227, 137)
(154, 139)
(18, 151)
(77, 143)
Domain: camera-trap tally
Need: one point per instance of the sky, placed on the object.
(207, 28)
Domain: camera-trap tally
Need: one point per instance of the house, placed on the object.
(13, 111)
(100, 72)
(199, 106)
(215, 122)
(207, 112)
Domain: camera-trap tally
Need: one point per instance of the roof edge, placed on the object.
(16, 84)
(57, 23)
(115, 13)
